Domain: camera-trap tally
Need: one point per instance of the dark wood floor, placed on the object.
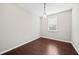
(43, 46)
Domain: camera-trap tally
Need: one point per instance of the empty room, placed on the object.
(39, 28)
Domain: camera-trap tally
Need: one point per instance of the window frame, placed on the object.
(55, 24)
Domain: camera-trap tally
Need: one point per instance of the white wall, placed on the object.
(75, 26)
(64, 27)
(19, 26)
(16, 26)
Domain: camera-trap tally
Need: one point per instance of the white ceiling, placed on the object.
(37, 8)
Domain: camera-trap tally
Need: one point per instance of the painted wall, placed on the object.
(16, 26)
(63, 32)
(75, 26)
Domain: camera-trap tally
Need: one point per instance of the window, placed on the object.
(52, 23)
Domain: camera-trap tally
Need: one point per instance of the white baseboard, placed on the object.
(19, 45)
(75, 47)
(37, 38)
(63, 41)
(56, 39)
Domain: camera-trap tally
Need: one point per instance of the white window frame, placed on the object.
(52, 20)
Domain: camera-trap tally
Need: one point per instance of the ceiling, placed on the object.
(37, 8)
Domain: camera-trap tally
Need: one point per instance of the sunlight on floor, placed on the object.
(52, 50)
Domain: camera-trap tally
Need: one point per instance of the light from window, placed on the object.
(52, 23)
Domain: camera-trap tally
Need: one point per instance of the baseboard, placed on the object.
(56, 39)
(37, 38)
(19, 45)
(75, 47)
(63, 41)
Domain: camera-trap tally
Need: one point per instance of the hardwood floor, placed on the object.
(44, 46)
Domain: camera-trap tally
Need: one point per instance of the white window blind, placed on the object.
(52, 23)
